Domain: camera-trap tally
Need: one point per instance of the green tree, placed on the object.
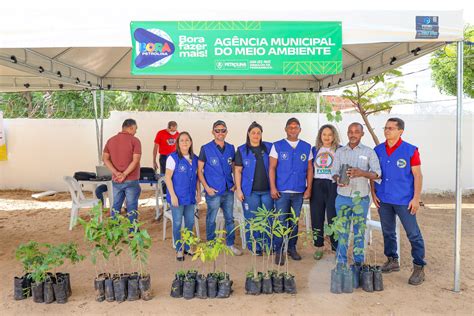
(444, 66)
(375, 95)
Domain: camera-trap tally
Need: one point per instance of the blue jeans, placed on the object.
(285, 204)
(178, 212)
(99, 192)
(387, 213)
(226, 202)
(341, 253)
(131, 190)
(256, 199)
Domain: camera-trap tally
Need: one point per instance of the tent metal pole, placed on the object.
(318, 107)
(457, 247)
(94, 96)
(101, 147)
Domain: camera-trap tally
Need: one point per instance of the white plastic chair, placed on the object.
(307, 216)
(238, 217)
(160, 197)
(78, 199)
(167, 215)
(372, 225)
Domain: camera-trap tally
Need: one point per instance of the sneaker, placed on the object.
(180, 256)
(318, 255)
(391, 265)
(294, 254)
(279, 258)
(189, 253)
(235, 250)
(418, 275)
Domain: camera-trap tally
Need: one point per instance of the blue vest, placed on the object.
(249, 161)
(292, 166)
(218, 167)
(184, 180)
(397, 186)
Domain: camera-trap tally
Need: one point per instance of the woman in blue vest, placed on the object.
(251, 180)
(184, 189)
(324, 189)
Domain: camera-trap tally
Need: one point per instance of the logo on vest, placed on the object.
(214, 161)
(401, 163)
(303, 157)
(229, 160)
(246, 162)
(182, 168)
(284, 155)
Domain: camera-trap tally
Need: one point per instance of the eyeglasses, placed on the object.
(220, 131)
(390, 128)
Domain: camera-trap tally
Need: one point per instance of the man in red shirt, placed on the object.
(122, 154)
(165, 144)
(398, 194)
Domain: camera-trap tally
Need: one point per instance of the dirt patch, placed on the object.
(48, 224)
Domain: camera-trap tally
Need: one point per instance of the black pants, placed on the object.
(163, 169)
(322, 202)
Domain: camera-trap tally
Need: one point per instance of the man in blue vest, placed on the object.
(215, 165)
(399, 194)
(291, 175)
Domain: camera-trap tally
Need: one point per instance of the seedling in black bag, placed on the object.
(342, 278)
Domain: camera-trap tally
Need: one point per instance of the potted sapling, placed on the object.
(28, 254)
(118, 229)
(42, 261)
(253, 280)
(95, 233)
(345, 278)
(139, 284)
(59, 281)
(184, 279)
(210, 251)
(284, 231)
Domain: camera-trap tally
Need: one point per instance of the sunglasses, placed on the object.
(220, 131)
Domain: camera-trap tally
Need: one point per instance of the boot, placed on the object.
(391, 265)
(294, 254)
(418, 275)
(279, 258)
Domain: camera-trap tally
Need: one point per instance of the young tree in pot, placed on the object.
(27, 254)
(253, 280)
(344, 278)
(59, 283)
(210, 251)
(118, 229)
(188, 241)
(95, 233)
(284, 230)
(139, 244)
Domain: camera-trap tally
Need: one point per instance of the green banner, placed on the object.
(236, 48)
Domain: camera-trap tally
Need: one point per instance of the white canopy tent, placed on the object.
(52, 49)
(93, 50)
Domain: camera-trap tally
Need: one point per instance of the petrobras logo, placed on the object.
(154, 47)
(303, 157)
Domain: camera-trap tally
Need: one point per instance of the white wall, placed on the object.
(41, 151)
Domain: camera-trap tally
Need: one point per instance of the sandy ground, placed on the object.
(23, 219)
